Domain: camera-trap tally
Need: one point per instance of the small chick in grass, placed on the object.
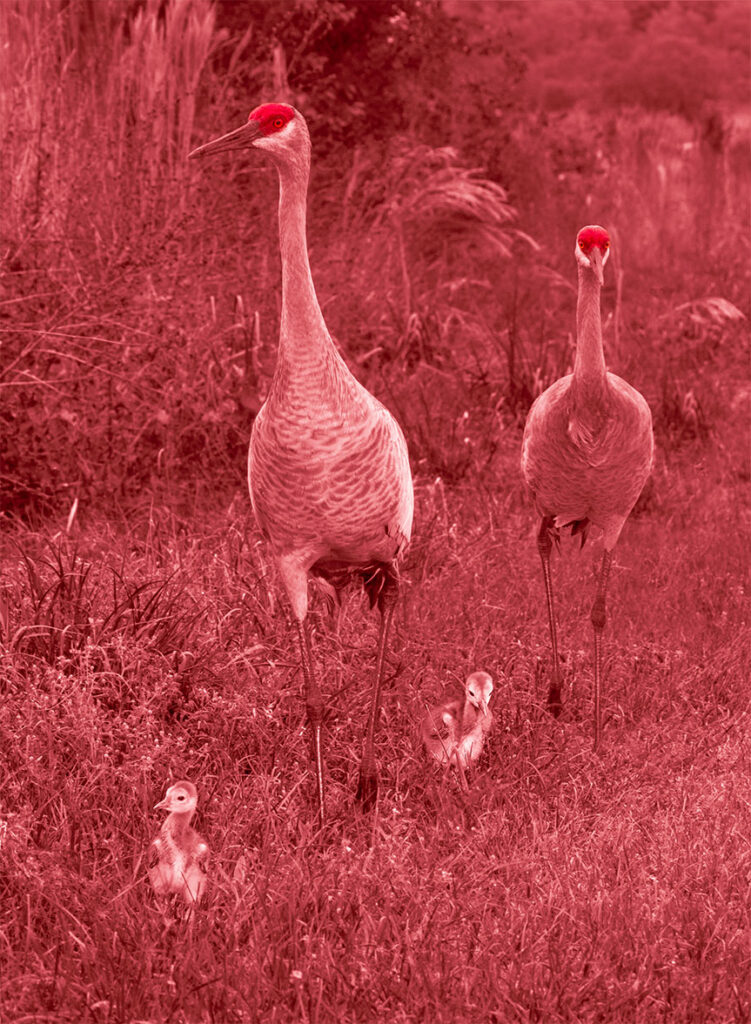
(454, 732)
(178, 857)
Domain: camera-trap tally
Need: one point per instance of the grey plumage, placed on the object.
(328, 468)
(587, 451)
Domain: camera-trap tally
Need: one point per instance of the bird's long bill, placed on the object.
(240, 138)
(160, 805)
(595, 260)
(484, 707)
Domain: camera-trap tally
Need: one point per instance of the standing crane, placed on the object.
(587, 451)
(328, 467)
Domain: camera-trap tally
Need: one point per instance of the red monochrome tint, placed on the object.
(272, 117)
(591, 236)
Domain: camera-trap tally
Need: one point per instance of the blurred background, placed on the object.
(457, 149)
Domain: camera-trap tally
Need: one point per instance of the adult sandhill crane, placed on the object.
(328, 467)
(178, 857)
(454, 732)
(587, 452)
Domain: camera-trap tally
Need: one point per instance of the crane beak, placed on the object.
(595, 262)
(160, 805)
(240, 138)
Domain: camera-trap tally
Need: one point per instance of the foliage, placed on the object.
(99, 115)
(351, 66)
(674, 57)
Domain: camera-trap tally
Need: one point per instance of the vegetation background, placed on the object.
(458, 147)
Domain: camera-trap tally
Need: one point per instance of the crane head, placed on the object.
(593, 249)
(479, 687)
(275, 127)
(182, 798)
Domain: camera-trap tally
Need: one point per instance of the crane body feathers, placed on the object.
(587, 451)
(178, 856)
(328, 468)
(177, 869)
(588, 462)
(454, 731)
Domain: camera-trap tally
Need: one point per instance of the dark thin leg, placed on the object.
(336, 636)
(314, 706)
(367, 789)
(598, 624)
(544, 546)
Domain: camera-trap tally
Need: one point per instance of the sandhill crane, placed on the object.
(178, 857)
(587, 452)
(454, 732)
(328, 467)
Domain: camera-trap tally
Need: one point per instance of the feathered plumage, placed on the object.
(587, 451)
(328, 468)
(178, 857)
(454, 731)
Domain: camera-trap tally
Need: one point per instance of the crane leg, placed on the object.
(314, 707)
(367, 789)
(599, 617)
(544, 546)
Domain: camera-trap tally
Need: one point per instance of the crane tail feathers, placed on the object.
(579, 527)
(378, 578)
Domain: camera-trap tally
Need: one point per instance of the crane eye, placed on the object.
(581, 245)
(606, 245)
(278, 122)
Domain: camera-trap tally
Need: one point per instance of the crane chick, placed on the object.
(178, 857)
(454, 731)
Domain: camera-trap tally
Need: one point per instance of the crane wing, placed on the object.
(154, 854)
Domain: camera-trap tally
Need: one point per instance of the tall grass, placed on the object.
(541, 892)
(98, 112)
(98, 109)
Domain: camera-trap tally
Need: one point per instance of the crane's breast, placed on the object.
(587, 461)
(335, 481)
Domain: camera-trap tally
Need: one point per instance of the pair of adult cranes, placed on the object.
(328, 467)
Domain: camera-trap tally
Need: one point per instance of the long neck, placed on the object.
(469, 715)
(589, 365)
(303, 336)
(177, 823)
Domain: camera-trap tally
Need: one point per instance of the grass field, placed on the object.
(564, 886)
(143, 633)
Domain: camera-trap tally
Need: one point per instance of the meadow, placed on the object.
(143, 633)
